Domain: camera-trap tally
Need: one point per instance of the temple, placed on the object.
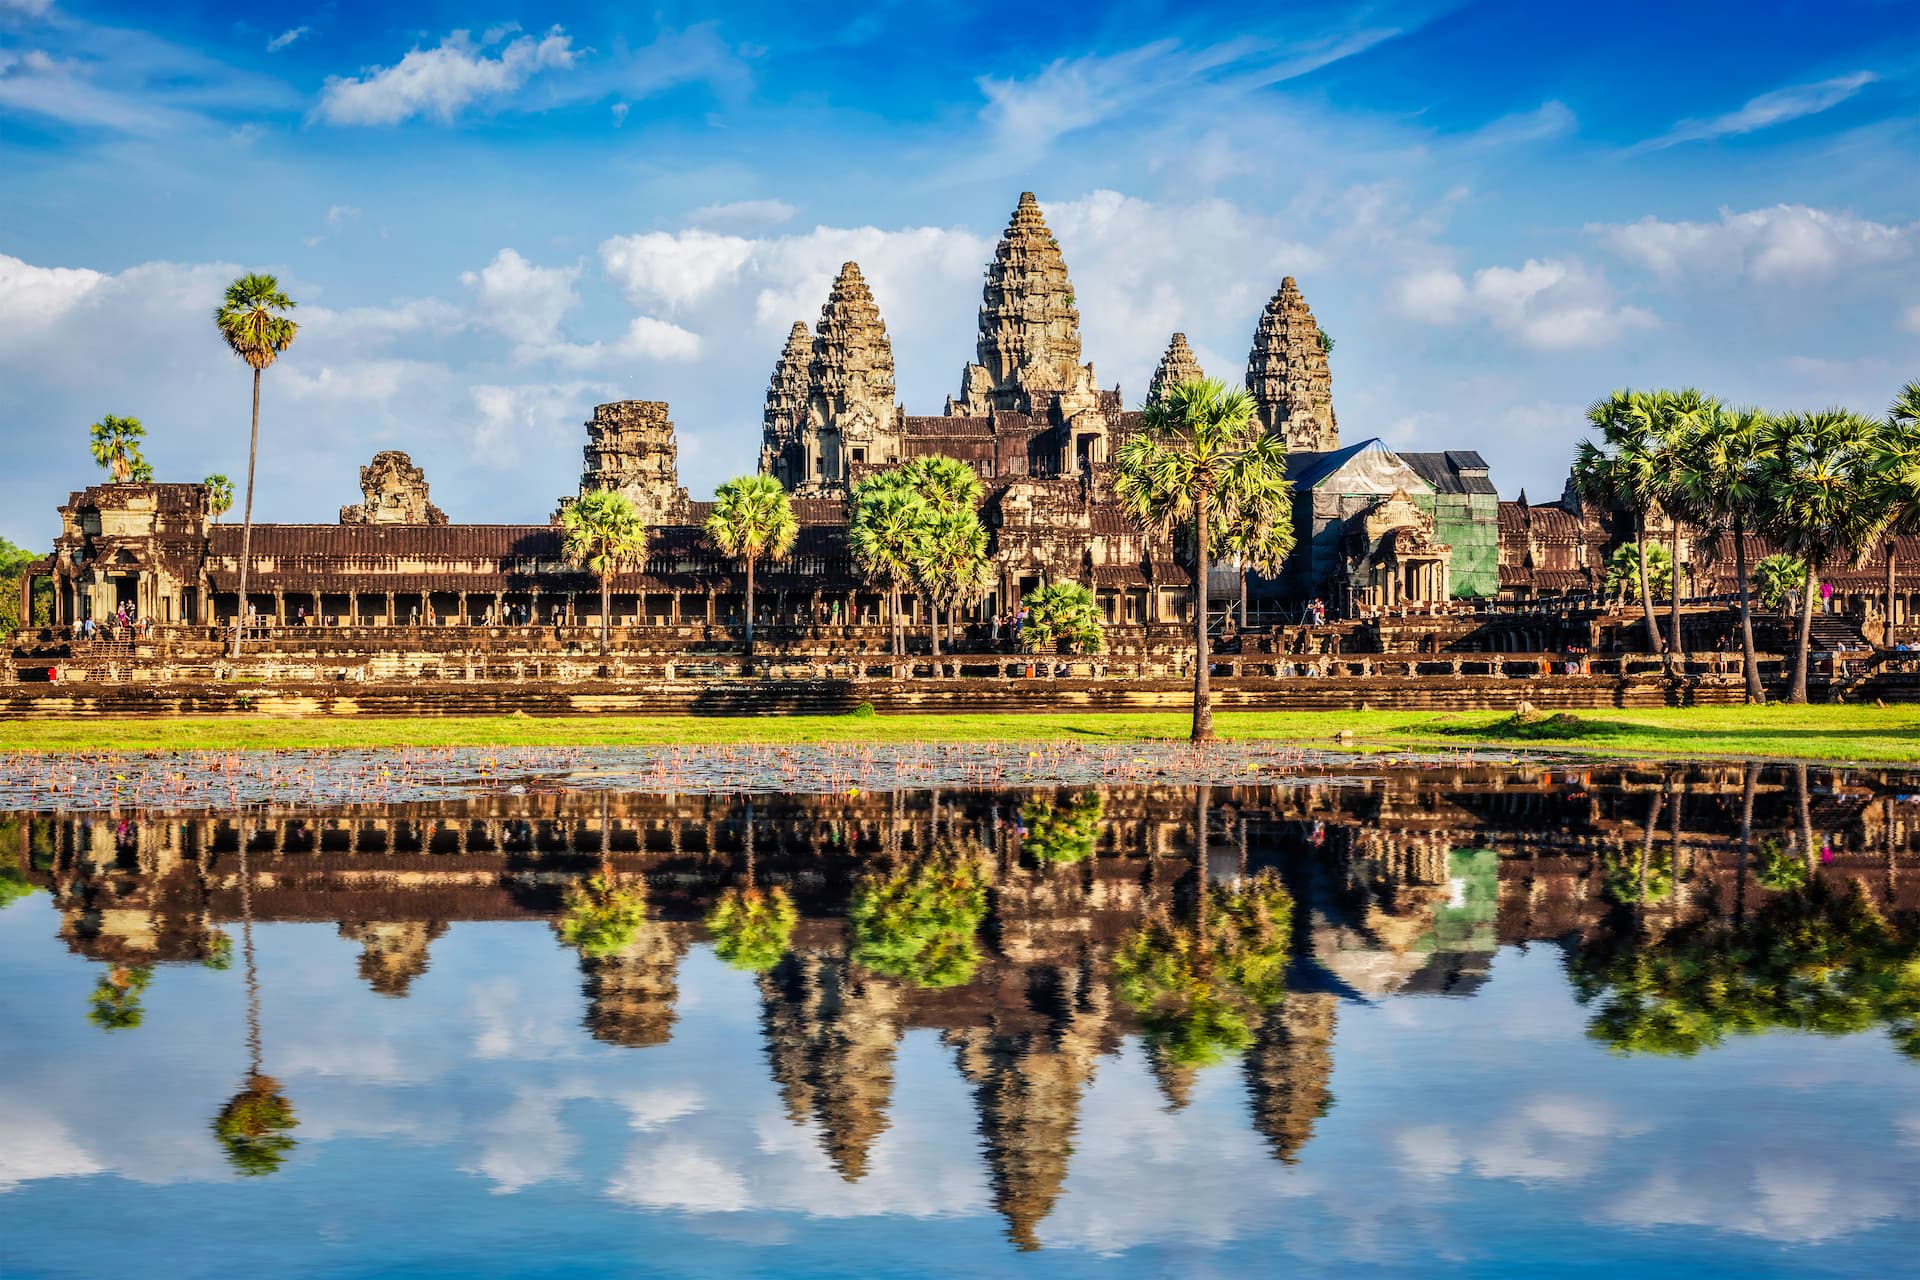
(1381, 535)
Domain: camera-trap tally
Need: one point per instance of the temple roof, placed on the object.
(1369, 465)
(1454, 471)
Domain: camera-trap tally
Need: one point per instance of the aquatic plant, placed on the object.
(752, 928)
(603, 917)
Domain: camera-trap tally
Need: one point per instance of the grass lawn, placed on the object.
(1841, 733)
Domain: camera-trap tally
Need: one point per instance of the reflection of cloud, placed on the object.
(1787, 1201)
(35, 1146)
(526, 1144)
(680, 1176)
(651, 1108)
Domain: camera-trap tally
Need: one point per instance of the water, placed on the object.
(1493, 1023)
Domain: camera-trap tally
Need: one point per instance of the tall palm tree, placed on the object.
(254, 1125)
(752, 520)
(252, 321)
(947, 484)
(953, 567)
(1679, 416)
(886, 535)
(952, 491)
(1897, 474)
(1622, 471)
(1200, 456)
(1716, 486)
(116, 447)
(603, 535)
(1818, 469)
(219, 495)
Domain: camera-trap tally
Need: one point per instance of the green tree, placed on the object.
(1896, 476)
(920, 923)
(1201, 459)
(1062, 612)
(752, 927)
(219, 495)
(116, 447)
(752, 520)
(1063, 833)
(953, 567)
(1627, 470)
(1260, 540)
(1776, 577)
(252, 321)
(13, 564)
(604, 915)
(887, 533)
(1716, 485)
(603, 534)
(1819, 472)
(115, 1003)
(255, 1126)
(1623, 571)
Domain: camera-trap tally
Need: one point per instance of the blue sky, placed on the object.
(496, 217)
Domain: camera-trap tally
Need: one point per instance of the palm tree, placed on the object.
(1062, 611)
(1680, 417)
(251, 319)
(1625, 474)
(254, 1125)
(752, 519)
(219, 495)
(1898, 476)
(1818, 470)
(953, 566)
(1715, 484)
(1201, 455)
(1261, 542)
(886, 535)
(116, 447)
(604, 534)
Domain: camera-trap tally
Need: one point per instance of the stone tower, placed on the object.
(786, 410)
(393, 491)
(631, 448)
(1288, 376)
(851, 418)
(1176, 367)
(1029, 347)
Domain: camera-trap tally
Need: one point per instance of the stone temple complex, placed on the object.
(1381, 535)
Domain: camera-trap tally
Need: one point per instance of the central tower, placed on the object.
(1029, 346)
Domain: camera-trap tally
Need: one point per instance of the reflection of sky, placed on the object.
(473, 1129)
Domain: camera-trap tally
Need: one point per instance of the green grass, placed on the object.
(1841, 733)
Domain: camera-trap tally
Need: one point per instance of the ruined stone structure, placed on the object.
(782, 452)
(631, 449)
(395, 492)
(1288, 375)
(1176, 366)
(843, 417)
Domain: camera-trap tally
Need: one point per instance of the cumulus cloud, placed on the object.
(443, 81)
(286, 38)
(506, 418)
(1550, 304)
(524, 302)
(1788, 243)
(680, 1176)
(30, 8)
(742, 214)
(674, 267)
(1767, 110)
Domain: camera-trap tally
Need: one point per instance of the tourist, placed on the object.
(1826, 597)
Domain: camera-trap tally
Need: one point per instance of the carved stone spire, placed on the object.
(631, 448)
(1176, 367)
(1288, 375)
(394, 491)
(786, 409)
(831, 1032)
(1029, 326)
(851, 416)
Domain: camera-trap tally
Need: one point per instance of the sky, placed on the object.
(494, 218)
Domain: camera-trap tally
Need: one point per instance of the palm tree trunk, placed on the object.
(246, 522)
(933, 628)
(1202, 694)
(1243, 597)
(1886, 637)
(749, 606)
(893, 619)
(1646, 583)
(1806, 822)
(1797, 692)
(1750, 784)
(1675, 645)
(1755, 692)
(606, 613)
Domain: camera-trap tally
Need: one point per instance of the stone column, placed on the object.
(461, 597)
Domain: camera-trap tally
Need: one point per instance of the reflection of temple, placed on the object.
(1403, 885)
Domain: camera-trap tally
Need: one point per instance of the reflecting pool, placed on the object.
(1453, 1019)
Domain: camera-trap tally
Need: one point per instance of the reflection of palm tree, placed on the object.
(752, 927)
(1064, 833)
(255, 1125)
(115, 1003)
(1198, 984)
(920, 923)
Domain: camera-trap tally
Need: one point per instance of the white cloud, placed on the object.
(1912, 319)
(35, 1146)
(620, 110)
(1776, 107)
(1788, 243)
(548, 417)
(523, 301)
(355, 381)
(339, 213)
(680, 1176)
(286, 38)
(442, 81)
(674, 267)
(31, 8)
(1550, 304)
(645, 339)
